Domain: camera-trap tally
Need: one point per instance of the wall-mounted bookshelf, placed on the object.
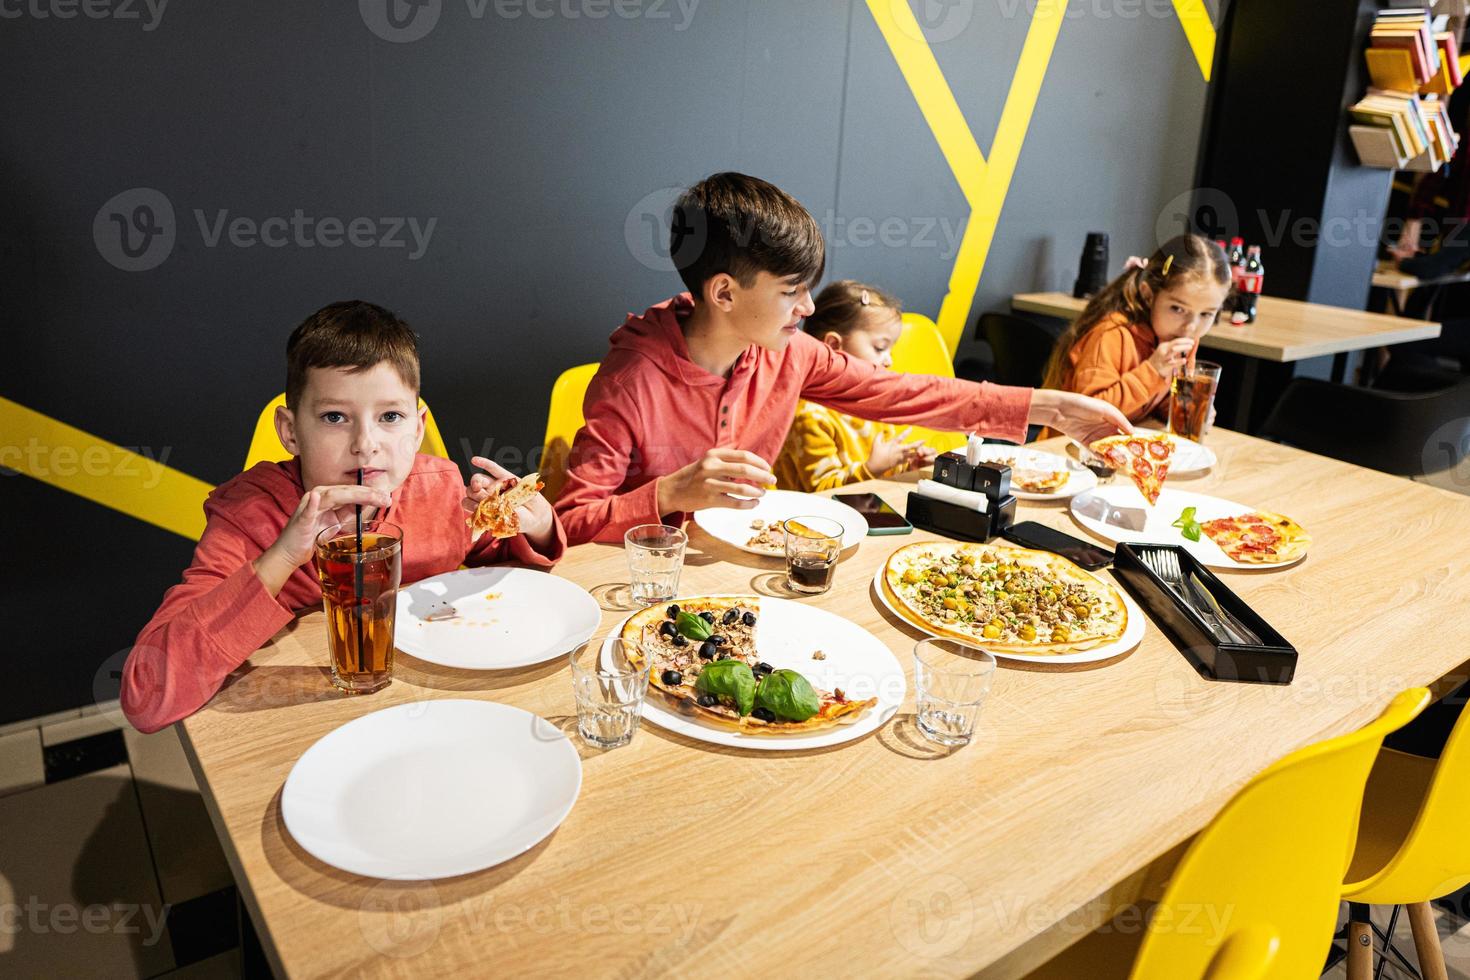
(1413, 64)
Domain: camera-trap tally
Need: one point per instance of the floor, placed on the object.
(122, 876)
(1454, 936)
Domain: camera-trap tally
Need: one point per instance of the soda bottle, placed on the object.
(1252, 278)
(1236, 256)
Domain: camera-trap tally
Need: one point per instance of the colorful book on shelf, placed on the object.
(1377, 147)
(1450, 55)
(1392, 68)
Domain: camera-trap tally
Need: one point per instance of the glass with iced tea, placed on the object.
(1191, 395)
(360, 594)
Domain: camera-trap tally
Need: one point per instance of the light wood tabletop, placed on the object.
(885, 855)
(1285, 329)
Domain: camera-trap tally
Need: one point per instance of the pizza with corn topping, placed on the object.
(1007, 600)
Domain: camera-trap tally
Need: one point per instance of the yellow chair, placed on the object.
(265, 445)
(563, 420)
(1256, 895)
(1412, 844)
(921, 350)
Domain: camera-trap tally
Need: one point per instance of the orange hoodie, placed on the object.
(651, 410)
(1110, 362)
(220, 614)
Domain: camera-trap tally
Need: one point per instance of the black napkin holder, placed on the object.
(1272, 661)
(954, 521)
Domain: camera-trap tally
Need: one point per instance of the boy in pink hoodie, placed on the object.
(352, 386)
(696, 395)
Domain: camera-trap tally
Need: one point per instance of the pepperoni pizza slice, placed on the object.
(1144, 458)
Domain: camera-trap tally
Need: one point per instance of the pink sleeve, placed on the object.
(856, 387)
(208, 625)
(600, 463)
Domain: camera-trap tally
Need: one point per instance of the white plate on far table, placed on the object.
(733, 526)
(1159, 519)
(1132, 632)
(786, 636)
(1079, 477)
(508, 617)
(1189, 457)
(431, 789)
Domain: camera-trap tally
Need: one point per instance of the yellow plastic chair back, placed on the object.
(563, 420)
(921, 350)
(1256, 895)
(265, 445)
(1413, 846)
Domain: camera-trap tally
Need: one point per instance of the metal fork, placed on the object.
(1164, 563)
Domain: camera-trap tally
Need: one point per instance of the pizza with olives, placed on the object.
(1006, 600)
(704, 660)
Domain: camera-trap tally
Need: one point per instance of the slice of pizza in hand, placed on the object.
(496, 514)
(1144, 458)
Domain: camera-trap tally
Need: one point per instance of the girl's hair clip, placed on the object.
(1168, 264)
(865, 300)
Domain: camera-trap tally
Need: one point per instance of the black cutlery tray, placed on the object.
(1272, 661)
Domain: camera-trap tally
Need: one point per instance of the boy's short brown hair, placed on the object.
(352, 334)
(743, 226)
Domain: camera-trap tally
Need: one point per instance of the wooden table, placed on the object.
(886, 855)
(1285, 330)
(1400, 284)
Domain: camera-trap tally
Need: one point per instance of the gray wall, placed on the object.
(541, 148)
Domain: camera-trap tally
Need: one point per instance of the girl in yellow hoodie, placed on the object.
(826, 449)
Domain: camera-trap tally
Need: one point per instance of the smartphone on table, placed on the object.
(1030, 534)
(881, 518)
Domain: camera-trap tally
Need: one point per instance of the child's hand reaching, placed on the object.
(536, 516)
(895, 453)
(1170, 356)
(320, 508)
(711, 480)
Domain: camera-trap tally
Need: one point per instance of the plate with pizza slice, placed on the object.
(758, 530)
(1037, 475)
(1189, 458)
(1220, 533)
(1015, 603)
(755, 672)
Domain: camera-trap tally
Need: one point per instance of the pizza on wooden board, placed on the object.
(704, 659)
(1006, 600)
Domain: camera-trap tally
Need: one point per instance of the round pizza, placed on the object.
(1258, 538)
(1006, 600)
(704, 660)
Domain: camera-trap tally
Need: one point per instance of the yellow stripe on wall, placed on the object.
(138, 484)
(1194, 17)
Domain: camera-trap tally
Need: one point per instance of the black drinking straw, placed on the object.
(357, 575)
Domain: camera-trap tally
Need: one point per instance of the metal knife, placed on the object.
(1239, 633)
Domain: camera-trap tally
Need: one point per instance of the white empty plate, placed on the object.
(508, 617)
(431, 789)
(733, 526)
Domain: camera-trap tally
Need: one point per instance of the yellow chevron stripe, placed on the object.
(1194, 17)
(900, 28)
(80, 463)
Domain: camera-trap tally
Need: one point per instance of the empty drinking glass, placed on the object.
(655, 558)
(609, 686)
(951, 679)
(812, 547)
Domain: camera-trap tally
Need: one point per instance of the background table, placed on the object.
(1400, 284)
(886, 855)
(1285, 330)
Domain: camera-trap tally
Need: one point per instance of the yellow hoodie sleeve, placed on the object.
(819, 455)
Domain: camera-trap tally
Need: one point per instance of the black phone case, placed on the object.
(1105, 557)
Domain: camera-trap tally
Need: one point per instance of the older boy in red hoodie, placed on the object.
(697, 394)
(352, 385)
